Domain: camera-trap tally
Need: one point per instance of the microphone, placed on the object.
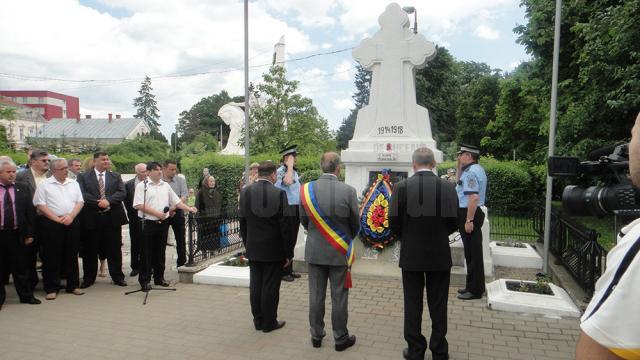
(165, 210)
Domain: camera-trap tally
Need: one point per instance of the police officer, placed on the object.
(471, 188)
(289, 181)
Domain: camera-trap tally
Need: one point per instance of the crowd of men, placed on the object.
(52, 212)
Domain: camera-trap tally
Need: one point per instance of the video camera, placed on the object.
(610, 165)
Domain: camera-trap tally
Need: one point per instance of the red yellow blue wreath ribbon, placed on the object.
(334, 235)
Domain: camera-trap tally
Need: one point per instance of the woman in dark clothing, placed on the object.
(209, 204)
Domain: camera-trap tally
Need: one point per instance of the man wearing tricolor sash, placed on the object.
(329, 212)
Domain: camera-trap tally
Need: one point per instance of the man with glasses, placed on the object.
(34, 175)
(472, 190)
(59, 200)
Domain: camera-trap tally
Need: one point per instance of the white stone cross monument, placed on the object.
(393, 125)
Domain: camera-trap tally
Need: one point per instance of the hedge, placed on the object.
(512, 185)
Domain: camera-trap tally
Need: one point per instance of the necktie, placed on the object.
(7, 203)
(101, 185)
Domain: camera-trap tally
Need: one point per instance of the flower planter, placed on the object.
(558, 303)
(517, 257)
(220, 274)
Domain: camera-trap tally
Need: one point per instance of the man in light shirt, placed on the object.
(611, 323)
(59, 199)
(153, 199)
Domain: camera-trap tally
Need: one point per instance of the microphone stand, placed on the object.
(146, 252)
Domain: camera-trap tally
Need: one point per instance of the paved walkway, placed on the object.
(214, 322)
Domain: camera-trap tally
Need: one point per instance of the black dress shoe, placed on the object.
(316, 342)
(469, 296)
(279, 324)
(288, 278)
(32, 301)
(163, 283)
(119, 282)
(134, 272)
(86, 284)
(295, 275)
(462, 291)
(405, 353)
(347, 344)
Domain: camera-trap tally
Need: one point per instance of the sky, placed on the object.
(100, 50)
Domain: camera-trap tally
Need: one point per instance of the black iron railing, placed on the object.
(513, 225)
(210, 235)
(576, 248)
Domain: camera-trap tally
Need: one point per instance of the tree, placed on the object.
(147, 108)
(285, 117)
(436, 89)
(599, 91)
(203, 117)
(476, 108)
(7, 113)
(360, 98)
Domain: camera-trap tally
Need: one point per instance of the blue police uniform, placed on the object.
(293, 190)
(473, 180)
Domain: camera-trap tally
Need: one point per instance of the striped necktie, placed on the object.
(101, 185)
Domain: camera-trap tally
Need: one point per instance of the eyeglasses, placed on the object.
(45, 160)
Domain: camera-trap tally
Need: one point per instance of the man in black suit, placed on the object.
(422, 214)
(17, 219)
(135, 229)
(32, 176)
(269, 247)
(103, 216)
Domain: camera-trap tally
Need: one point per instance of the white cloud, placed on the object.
(344, 71)
(514, 64)
(486, 32)
(342, 104)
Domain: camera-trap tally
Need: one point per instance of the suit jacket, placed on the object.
(263, 226)
(130, 190)
(422, 213)
(339, 202)
(114, 192)
(25, 211)
(26, 177)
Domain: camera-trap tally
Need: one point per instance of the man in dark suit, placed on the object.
(268, 245)
(422, 214)
(17, 220)
(102, 215)
(338, 202)
(32, 176)
(135, 229)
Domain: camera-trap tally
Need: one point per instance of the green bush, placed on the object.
(512, 185)
(228, 170)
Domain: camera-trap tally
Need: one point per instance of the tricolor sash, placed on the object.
(333, 234)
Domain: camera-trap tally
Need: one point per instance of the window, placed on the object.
(25, 99)
(40, 100)
(21, 133)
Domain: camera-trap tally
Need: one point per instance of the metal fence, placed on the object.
(210, 235)
(576, 248)
(513, 225)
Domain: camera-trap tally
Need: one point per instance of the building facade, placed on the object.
(49, 104)
(27, 123)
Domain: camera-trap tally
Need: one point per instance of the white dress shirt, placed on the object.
(60, 198)
(158, 197)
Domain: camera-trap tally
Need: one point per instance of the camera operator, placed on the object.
(611, 324)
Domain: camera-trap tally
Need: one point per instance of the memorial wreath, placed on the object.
(374, 214)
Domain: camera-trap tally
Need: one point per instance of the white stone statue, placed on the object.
(233, 115)
(392, 55)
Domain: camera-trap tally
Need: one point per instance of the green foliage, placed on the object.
(203, 118)
(4, 142)
(476, 108)
(437, 86)
(511, 185)
(200, 144)
(127, 154)
(7, 112)
(360, 98)
(147, 107)
(285, 117)
(228, 170)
